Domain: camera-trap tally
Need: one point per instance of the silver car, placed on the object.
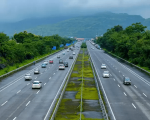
(106, 74)
(126, 81)
(61, 67)
(36, 84)
(36, 71)
(28, 77)
(103, 66)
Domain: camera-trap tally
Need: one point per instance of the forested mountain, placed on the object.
(89, 26)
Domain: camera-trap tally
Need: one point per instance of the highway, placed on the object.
(126, 102)
(18, 101)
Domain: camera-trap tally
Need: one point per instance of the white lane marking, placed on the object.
(35, 78)
(58, 93)
(54, 74)
(119, 71)
(19, 91)
(28, 103)
(123, 75)
(28, 83)
(50, 78)
(57, 70)
(41, 73)
(135, 86)
(118, 85)
(44, 83)
(38, 92)
(14, 118)
(49, 67)
(114, 79)
(144, 95)
(133, 105)
(110, 75)
(125, 94)
(4, 103)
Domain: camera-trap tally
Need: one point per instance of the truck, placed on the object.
(66, 47)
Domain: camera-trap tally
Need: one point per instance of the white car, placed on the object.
(106, 74)
(36, 84)
(46, 62)
(103, 66)
(58, 56)
(61, 67)
(37, 71)
(73, 53)
(28, 77)
(67, 50)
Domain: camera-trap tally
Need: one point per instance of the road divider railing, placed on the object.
(98, 86)
(55, 105)
(127, 62)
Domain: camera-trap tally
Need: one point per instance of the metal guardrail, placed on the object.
(52, 116)
(128, 62)
(28, 64)
(102, 106)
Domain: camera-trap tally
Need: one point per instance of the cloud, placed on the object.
(15, 10)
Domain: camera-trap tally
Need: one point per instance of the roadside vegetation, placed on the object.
(81, 81)
(131, 43)
(25, 47)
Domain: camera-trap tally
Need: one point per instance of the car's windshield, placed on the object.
(127, 79)
(35, 82)
(106, 72)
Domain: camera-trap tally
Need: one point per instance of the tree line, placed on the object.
(24, 46)
(131, 43)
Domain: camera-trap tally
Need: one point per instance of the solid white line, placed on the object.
(44, 83)
(125, 94)
(28, 83)
(14, 118)
(133, 105)
(38, 92)
(103, 90)
(4, 103)
(19, 91)
(118, 85)
(135, 86)
(50, 78)
(28, 103)
(144, 95)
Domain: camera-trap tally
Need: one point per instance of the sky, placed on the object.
(16, 10)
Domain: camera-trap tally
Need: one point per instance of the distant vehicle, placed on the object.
(37, 71)
(126, 81)
(73, 53)
(36, 84)
(68, 50)
(66, 64)
(61, 67)
(43, 65)
(103, 66)
(61, 61)
(70, 57)
(66, 47)
(63, 53)
(51, 61)
(106, 74)
(28, 77)
(46, 62)
(58, 56)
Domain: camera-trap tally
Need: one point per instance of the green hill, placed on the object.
(89, 26)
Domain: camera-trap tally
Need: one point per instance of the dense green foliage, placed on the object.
(83, 45)
(132, 43)
(89, 26)
(25, 46)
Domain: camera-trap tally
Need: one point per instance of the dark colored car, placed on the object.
(126, 81)
(66, 64)
(70, 57)
(61, 61)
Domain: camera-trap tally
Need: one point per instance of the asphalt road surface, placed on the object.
(126, 102)
(18, 101)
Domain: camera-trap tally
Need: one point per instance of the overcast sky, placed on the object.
(15, 10)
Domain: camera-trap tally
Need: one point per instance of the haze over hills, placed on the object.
(82, 26)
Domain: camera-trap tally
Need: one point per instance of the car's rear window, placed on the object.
(35, 82)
